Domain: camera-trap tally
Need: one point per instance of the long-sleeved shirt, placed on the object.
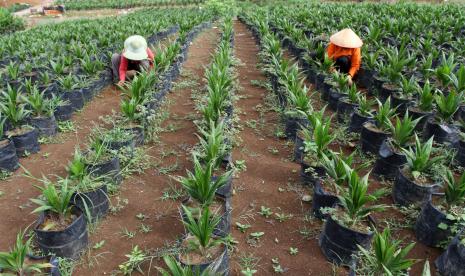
(123, 66)
(355, 54)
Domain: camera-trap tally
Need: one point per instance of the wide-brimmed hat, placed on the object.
(135, 48)
(347, 39)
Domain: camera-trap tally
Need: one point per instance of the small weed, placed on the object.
(167, 153)
(276, 266)
(99, 244)
(265, 211)
(257, 235)
(66, 126)
(172, 193)
(120, 204)
(282, 217)
(141, 216)
(248, 271)
(171, 127)
(66, 266)
(5, 175)
(248, 264)
(242, 227)
(308, 234)
(260, 83)
(293, 251)
(169, 169)
(127, 234)
(240, 165)
(278, 269)
(145, 228)
(273, 150)
(135, 259)
(251, 124)
(230, 242)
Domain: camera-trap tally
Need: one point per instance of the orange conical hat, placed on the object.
(347, 39)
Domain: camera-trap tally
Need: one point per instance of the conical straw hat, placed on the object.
(135, 48)
(347, 39)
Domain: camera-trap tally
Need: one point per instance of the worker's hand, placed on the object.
(349, 80)
(332, 70)
(121, 83)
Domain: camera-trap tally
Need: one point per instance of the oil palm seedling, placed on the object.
(348, 226)
(315, 145)
(387, 257)
(424, 106)
(443, 72)
(415, 181)
(13, 107)
(90, 66)
(362, 114)
(199, 183)
(404, 97)
(200, 240)
(448, 105)
(212, 144)
(15, 262)
(348, 104)
(56, 200)
(402, 131)
(374, 133)
(321, 139)
(25, 137)
(442, 126)
(392, 71)
(42, 113)
(458, 80)
(175, 268)
(391, 156)
(58, 215)
(355, 198)
(441, 220)
(7, 150)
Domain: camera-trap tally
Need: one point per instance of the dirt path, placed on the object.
(143, 192)
(270, 180)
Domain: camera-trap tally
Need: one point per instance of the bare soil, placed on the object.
(7, 3)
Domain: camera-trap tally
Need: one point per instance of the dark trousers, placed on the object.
(140, 66)
(343, 64)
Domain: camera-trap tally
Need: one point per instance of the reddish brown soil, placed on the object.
(51, 160)
(259, 185)
(7, 3)
(143, 192)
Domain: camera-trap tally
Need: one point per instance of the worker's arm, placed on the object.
(330, 50)
(123, 68)
(356, 60)
(151, 56)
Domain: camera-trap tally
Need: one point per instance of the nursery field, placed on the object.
(241, 151)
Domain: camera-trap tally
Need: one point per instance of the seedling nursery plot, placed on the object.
(242, 148)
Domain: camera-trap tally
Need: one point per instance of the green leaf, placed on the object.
(443, 226)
